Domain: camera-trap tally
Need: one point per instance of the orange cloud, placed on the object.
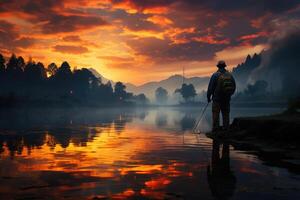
(260, 21)
(222, 23)
(160, 20)
(11, 40)
(156, 10)
(133, 7)
(70, 49)
(116, 58)
(72, 38)
(174, 34)
(254, 36)
(144, 33)
(77, 40)
(120, 37)
(237, 54)
(88, 3)
(210, 40)
(127, 5)
(159, 183)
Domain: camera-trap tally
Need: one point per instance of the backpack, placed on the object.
(225, 85)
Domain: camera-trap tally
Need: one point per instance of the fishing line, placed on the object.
(200, 119)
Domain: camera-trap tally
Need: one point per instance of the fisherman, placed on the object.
(221, 87)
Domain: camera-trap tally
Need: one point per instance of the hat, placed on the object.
(221, 63)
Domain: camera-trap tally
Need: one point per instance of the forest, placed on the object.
(33, 84)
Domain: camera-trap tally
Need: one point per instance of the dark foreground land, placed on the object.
(275, 138)
(277, 128)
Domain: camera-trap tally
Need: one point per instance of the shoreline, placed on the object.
(273, 139)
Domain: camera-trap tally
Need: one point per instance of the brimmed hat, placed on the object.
(221, 63)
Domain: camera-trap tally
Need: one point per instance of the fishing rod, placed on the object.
(200, 119)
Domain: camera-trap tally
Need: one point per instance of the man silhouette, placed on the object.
(221, 87)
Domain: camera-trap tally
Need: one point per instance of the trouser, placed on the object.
(224, 108)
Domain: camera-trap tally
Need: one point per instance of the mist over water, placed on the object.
(280, 64)
(131, 153)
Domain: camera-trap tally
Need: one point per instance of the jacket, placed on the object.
(213, 84)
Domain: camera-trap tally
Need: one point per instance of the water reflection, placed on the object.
(59, 128)
(187, 122)
(221, 179)
(161, 119)
(140, 154)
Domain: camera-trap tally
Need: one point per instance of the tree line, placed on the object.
(32, 84)
(187, 92)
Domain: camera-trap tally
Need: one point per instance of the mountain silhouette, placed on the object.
(98, 75)
(170, 84)
(243, 71)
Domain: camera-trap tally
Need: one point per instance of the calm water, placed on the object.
(127, 153)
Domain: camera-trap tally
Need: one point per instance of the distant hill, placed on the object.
(170, 84)
(278, 66)
(98, 75)
(243, 71)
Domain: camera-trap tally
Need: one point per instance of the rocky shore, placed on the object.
(283, 127)
(274, 139)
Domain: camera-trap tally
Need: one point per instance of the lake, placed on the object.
(133, 153)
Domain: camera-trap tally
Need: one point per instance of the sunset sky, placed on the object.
(142, 40)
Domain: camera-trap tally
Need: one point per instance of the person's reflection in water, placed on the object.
(161, 119)
(220, 178)
(187, 122)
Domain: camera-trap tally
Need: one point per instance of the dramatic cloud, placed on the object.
(11, 40)
(116, 58)
(70, 49)
(60, 23)
(137, 36)
(275, 6)
(163, 51)
(51, 16)
(160, 20)
(72, 38)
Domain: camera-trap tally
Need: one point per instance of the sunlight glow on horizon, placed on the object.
(137, 42)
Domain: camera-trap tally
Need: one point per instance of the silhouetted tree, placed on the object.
(62, 80)
(141, 99)
(20, 63)
(120, 92)
(64, 70)
(104, 93)
(12, 63)
(187, 91)
(29, 70)
(259, 88)
(2, 65)
(42, 74)
(52, 69)
(161, 95)
(13, 67)
(35, 72)
(82, 82)
(29, 82)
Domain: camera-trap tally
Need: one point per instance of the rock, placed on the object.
(277, 127)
